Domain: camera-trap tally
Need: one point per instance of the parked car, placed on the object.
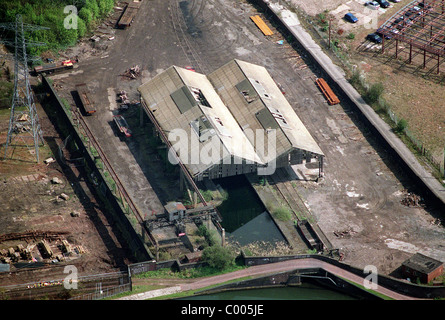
(381, 35)
(350, 17)
(396, 1)
(374, 37)
(383, 3)
(372, 4)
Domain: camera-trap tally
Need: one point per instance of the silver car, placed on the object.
(372, 4)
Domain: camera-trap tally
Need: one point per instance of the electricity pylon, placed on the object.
(24, 121)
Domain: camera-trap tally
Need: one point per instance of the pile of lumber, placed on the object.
(33, 235)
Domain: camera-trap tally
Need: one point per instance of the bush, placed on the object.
(355, 79)
(351, 36)
(218, 257)
(373, 93)
(401, 125)
(207, 234)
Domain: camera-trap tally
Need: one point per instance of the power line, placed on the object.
(24, 121)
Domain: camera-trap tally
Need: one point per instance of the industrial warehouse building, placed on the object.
(236, 120)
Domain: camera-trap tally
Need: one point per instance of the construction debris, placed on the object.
(49, 160)
(133, 72)
(64, 196)
(412, 200)
(56, 180)
(123, 97)
(347, 233)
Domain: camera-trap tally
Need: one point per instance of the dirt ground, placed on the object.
(34, 200)
(359, 198)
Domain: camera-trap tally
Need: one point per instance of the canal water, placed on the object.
(246, 220)
(244, 216)
(305, 291)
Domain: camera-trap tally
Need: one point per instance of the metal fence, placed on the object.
(103, 293)
(438, 162)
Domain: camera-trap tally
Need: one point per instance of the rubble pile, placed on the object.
(412, 200)
(133, 72)
(123, 97)
(347, 233)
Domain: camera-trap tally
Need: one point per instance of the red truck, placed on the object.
(53, 67)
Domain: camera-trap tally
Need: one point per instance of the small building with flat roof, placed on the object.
(422, 267)
(233, 121)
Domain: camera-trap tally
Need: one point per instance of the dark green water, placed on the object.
(305, 291)
(242, 204)
(245, 218)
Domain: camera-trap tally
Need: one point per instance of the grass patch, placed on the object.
(204, 271)
(282, 213)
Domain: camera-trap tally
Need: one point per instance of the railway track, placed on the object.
(182, 36)
(54, 289)
(288, 192)
(120, 187)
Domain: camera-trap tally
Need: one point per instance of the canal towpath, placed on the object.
(262, 270)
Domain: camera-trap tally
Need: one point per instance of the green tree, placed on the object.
(105, 6)
(401, 125)
(218, 257)
(86, 15)
(81, 27)
(92, 5)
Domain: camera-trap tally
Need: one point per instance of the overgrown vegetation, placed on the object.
(208, 235)
(49, 13)
(282, 213)
(373, 94)
(218, 257)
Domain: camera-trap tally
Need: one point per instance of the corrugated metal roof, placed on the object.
(225, 112)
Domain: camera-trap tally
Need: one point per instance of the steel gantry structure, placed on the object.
(24, 121)
(421, 25)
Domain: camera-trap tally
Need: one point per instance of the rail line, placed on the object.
(55, 288)
(120, 187)
(280, 180)
(185, 44)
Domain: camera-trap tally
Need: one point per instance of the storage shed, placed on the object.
(422, 267)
